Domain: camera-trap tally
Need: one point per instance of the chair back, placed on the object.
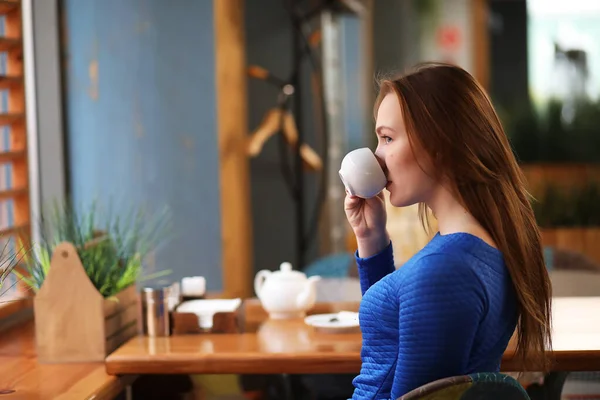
(482, 386)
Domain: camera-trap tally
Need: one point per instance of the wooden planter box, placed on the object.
(73, 321)
(581, 240)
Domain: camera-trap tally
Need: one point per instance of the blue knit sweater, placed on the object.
(449, 310)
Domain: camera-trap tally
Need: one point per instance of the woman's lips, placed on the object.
(388, 184)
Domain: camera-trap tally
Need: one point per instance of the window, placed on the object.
(14, 193)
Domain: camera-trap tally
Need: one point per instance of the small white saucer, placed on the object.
(342, 322)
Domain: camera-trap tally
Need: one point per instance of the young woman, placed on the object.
(453, 307)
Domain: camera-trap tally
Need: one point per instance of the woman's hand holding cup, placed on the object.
(364, 204)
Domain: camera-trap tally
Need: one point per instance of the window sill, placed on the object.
(15, 310)
(12, 305)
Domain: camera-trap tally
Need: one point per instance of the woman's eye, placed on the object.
(387, 139)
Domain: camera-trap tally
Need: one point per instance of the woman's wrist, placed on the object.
(373, 244)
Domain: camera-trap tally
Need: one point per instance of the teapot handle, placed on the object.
(259, 280)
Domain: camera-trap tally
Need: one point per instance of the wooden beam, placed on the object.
(232, 126)
(481, 42)
(6, 82)
(10, 43)
(13, 193)
(11, 156)
(11, 117)
(17, 230)
(7, 6)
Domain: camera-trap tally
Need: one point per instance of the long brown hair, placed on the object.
(450, 118)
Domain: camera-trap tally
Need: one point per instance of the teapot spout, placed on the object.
(307, 297)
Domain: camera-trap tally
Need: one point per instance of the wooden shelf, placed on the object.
(7, 82)
(7, 44)
(6, 6)
(8, 156)
(9, 118)
(12, 193)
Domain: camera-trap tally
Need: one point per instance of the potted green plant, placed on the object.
(111, 249)
(84, 273)
(9, 260)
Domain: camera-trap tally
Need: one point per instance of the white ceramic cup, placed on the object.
(362, 174)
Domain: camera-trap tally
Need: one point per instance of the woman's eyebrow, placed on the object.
(383, 127)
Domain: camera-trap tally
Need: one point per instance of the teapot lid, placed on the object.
(286, 272)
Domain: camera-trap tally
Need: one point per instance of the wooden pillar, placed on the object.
(481, 42)
(232, 125)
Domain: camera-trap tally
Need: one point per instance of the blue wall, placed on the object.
(142, 130)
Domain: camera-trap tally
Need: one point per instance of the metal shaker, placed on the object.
(155, 311)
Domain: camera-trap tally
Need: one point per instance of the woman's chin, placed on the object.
(394, 201)
(398, 201)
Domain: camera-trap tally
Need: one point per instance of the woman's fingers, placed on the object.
(353, 203)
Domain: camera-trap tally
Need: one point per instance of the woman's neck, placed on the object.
(452, 217)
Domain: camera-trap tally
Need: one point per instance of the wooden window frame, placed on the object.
(24, 190)
(13, 80)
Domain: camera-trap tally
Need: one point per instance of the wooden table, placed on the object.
(275, 347)
(21, 377)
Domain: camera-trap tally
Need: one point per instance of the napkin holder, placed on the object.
(189, 323)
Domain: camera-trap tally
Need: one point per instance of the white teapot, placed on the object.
(285, 293)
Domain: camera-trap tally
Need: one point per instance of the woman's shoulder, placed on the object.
(438, 265)
(462, 252)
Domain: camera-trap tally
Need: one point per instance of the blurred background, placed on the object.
(234, 133)
(143, 105)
